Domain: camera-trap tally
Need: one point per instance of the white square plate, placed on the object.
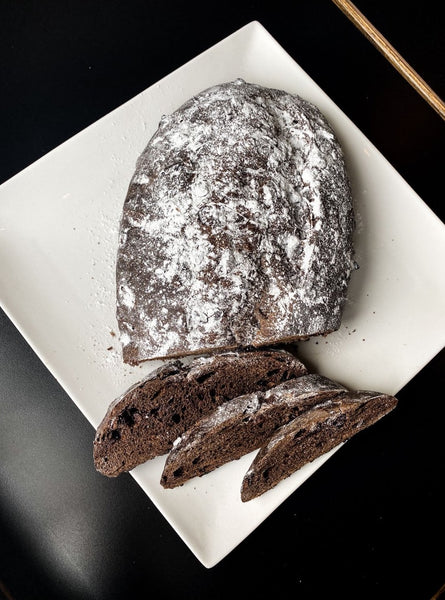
(58, 238)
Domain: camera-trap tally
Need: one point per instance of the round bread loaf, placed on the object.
(237, 227)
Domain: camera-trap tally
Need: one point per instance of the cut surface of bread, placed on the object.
(144, 421)
(241, 425)
(310, 435)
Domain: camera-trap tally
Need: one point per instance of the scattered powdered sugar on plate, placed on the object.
(237, 227)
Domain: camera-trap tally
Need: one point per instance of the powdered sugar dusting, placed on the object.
(236, 230)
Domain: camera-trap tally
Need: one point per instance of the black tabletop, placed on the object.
(370, 522)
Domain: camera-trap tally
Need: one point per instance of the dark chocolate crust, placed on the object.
(310, 435)
(147, 418)
(237, 227)
(242, 425)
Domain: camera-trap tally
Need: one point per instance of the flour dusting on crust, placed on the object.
(237, 227)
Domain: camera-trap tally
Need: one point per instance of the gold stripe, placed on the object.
(391, 54)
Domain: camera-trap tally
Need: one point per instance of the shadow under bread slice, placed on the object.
(144, 421)
(312, 434)
(242, 425)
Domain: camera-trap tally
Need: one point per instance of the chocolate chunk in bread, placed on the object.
(241, 425)
(310, 435)
(237, 227)
(147, 418)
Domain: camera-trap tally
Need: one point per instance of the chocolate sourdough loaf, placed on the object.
(237, 227)
(310, 435)
(242, 425)
(147, 418)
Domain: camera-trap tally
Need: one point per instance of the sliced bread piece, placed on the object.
(241, 425)
(310, 435)
(147, 418)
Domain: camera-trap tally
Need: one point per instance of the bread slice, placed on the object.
(241, 425)
(147, 418)
(310, 435)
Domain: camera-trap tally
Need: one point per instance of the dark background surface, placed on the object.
(370, 522)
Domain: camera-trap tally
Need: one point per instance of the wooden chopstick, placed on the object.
(391, 54)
